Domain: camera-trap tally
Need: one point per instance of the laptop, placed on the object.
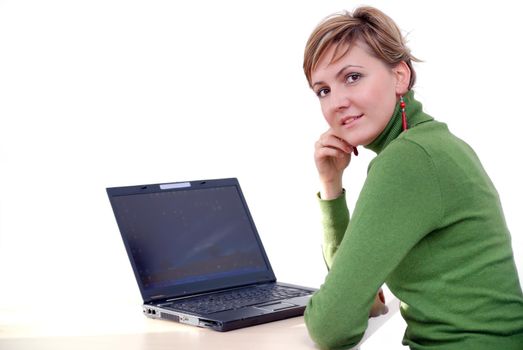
(197, 256)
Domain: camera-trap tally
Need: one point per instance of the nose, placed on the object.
(339, 100)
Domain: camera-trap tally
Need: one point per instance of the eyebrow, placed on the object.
(340, 72)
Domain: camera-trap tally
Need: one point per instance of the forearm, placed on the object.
(335, 219)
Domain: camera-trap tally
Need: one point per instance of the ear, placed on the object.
(402, 73)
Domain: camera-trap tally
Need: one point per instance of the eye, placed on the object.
(352, 78)
(322, 92)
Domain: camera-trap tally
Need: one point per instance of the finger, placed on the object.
(384, 309)
(319, 146)
(341, 143)
(378, 309)
(325, 152)
(329, 140)
(343, 152)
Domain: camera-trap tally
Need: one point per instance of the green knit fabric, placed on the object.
(429, 224)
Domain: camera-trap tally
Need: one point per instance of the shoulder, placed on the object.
(401, 155)
(407, 166)
(420, 146)
(404, 178)
(405, 162)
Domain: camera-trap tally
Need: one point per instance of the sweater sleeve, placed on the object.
(399, 204)
(335, 218)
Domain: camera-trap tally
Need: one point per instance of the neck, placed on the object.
(394, 128)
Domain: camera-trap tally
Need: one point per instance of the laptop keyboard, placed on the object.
(237, 298)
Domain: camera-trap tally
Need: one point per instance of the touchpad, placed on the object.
(275, 306)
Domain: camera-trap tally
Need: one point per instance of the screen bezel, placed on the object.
(159, 293)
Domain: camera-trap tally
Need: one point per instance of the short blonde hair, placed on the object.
(367, 25)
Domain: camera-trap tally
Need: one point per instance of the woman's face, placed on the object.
(357, 94)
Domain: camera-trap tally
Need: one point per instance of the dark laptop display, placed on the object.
(193, 238)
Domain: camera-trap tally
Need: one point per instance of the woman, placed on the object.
(428, 221)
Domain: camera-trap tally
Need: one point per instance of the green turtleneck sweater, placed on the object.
(429, 224)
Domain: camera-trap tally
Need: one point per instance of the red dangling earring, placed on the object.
(403, 114)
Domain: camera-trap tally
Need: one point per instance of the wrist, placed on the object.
(331, 190)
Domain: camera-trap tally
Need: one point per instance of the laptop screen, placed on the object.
(188, 238)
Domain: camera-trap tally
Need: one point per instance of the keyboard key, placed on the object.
(237, 298)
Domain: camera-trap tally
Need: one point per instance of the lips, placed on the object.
(349, 120)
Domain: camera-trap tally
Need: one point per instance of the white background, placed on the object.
(106, 93)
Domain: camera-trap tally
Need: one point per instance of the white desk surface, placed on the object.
(124, 327)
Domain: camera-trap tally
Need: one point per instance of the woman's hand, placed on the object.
(379, 308)
(332, 155)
